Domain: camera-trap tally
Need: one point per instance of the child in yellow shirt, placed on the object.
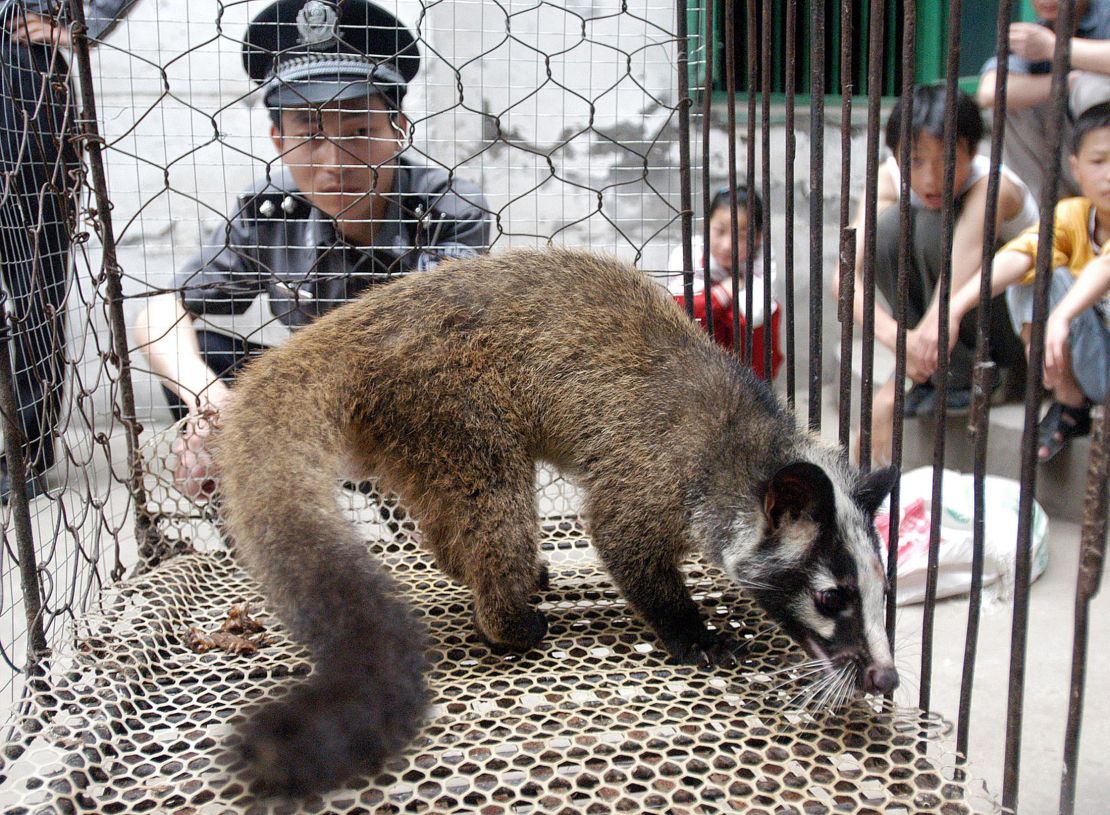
(1077, 334)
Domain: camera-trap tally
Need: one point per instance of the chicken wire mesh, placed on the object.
(134, 719)
(561, 117)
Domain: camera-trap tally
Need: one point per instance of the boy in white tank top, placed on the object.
(1016, 211)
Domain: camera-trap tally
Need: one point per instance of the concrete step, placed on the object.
(1060, 484)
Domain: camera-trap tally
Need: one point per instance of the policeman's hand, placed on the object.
(31, 28)
(195, 471)
(1032, 41)
(1056, 349)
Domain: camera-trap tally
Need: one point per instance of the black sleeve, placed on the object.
(457, 223)
(223, 277)
(101, 16)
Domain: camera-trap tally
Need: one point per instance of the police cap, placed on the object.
(309, 52)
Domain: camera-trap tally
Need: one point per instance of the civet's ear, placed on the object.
(872, 489)
(798, 490)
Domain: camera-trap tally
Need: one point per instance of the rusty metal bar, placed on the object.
(706, 182)
(1058, 99)
(145, 533)
(847, 317)
(765, 156)
(685, 198)
(816, 206)
(1092, 555)
(979, 422)
(905, 225)
(847, 283)
(754, 44)
(944, 287)
(730, 82)
(874, 97)
(845, 114)
(788, 229)
(15, 448)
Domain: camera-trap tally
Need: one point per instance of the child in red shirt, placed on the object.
(720, 271)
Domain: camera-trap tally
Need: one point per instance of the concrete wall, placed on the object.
(564, 117)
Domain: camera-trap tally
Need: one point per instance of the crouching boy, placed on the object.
(1077, 334)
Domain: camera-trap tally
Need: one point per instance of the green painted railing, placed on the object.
(977, 43)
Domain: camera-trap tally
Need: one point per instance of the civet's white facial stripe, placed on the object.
(807, 614)
(823, 580)
(795, 541)
(740, 556)
(856, 534)
(743, 536)
(745, 533)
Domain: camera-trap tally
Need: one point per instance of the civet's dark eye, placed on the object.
(830, 602)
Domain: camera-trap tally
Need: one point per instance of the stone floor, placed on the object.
(1048, 676)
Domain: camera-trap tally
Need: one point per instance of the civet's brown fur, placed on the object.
(450, 385)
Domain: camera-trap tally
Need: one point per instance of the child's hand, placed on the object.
(1032, 41)
(921, 350)
(1056, 349)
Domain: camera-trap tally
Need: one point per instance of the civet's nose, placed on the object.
(880, 679)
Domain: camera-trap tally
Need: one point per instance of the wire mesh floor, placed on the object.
(595, 720)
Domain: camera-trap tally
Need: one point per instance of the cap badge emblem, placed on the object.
(316, 22)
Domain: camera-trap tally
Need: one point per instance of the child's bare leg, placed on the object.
(1065, 390)
(882, 426)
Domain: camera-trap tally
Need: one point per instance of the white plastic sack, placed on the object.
(954, 563)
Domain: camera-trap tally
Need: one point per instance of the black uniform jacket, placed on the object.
(279, 243)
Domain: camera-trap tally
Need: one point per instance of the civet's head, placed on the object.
(816, 568)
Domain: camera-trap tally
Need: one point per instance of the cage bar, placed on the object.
(730, 74)
(905, 224)
(1033, 394)
(788, 182)
(847, 326)
(980, 415)
(816, 204)
(686, 204)
(766, 46)
(755, 46)
(847, 282)
(1088, 582)
(870, 229)
(944, 289)
(706, 181)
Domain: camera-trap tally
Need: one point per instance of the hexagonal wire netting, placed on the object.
(595, 720)
(568, 118)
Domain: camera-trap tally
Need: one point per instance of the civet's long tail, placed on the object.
(367, 697)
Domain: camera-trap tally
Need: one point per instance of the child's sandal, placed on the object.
(1060, 425)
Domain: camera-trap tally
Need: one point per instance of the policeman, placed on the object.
(346, 210)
